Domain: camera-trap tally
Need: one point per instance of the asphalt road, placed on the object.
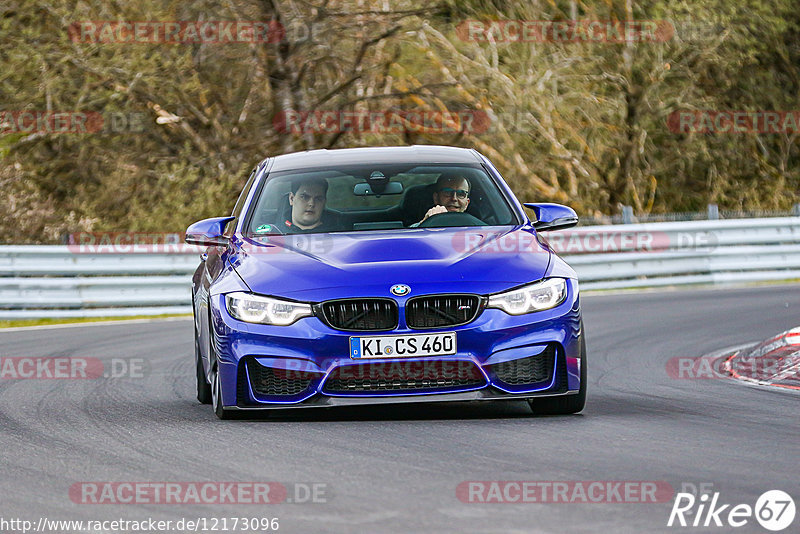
(396, 469)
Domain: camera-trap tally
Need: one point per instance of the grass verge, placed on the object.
(14, 323)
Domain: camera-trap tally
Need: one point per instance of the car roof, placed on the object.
(421, 154)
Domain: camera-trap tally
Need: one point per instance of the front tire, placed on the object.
(216, 396)
(566, 404)
(203, 387)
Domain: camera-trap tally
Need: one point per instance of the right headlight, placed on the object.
(252, 308)
(539, 296)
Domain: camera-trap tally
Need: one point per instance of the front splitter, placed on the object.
(467, 396)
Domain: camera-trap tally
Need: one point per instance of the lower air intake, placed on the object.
(524, 371)
(270, 382)
(405, 377)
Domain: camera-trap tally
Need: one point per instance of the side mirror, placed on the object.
(208, 232)
(552, 216)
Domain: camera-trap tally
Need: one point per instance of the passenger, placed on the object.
(451, 195)
(307, 199)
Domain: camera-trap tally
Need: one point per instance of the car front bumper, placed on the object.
(297, 366)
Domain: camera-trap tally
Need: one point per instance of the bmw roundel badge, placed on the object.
(400, 290)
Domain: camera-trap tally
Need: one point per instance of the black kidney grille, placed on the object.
(401, 376)
(360, 314)
(531, 370)
(270, 382)
(435, 311)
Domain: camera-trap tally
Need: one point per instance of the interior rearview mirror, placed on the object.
(366, 190)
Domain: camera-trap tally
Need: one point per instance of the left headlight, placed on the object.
(265, 310)
(534, 297)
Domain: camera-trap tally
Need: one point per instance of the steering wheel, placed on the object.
(451, 218)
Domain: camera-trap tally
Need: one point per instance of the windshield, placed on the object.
(378, 197)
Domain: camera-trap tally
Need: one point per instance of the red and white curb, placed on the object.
(774, 362)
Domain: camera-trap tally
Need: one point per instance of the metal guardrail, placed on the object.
(67, 281)
(683, 253)
(60, 281)
(712, 212)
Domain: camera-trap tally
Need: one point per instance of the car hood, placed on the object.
(317, 267)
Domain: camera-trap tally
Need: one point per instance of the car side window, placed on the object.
(237, 208)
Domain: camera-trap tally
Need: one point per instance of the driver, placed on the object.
(307, 199)
(451, 195)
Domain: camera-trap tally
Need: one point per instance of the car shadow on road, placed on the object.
(400, 412)
(598, 406)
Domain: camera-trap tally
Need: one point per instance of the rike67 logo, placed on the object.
(774, 510)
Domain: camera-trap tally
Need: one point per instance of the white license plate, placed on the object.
(405, 346)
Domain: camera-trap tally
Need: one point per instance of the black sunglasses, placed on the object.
(459, 193)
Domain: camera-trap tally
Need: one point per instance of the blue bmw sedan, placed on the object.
(384, 275)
